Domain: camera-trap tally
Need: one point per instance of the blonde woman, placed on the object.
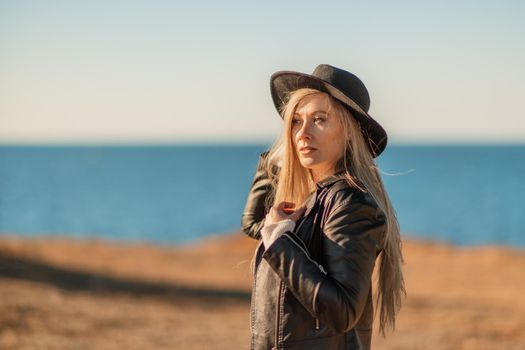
(319, 207)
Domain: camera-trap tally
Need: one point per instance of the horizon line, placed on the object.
(168, 143)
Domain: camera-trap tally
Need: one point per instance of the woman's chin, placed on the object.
(309, 163)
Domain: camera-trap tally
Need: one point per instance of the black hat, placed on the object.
(342, 85)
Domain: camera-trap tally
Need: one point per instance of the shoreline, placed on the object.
(408, 237)
(95, 293)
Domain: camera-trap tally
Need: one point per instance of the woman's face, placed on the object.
(317, 135)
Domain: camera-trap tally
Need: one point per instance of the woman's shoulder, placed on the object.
(344, 194)
(355, 210)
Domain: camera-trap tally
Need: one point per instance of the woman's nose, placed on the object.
(304, 131)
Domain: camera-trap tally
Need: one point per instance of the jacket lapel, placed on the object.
(310, 203)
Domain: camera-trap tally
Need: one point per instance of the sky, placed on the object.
(198, 71)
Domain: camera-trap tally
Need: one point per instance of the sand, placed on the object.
(61, 293)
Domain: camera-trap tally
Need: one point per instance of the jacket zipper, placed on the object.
(276, 346)
(254, 286)
(307, 255)
(315, 262)
(278, 316)
(304, 248)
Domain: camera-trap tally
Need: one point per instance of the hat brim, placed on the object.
(283, 82)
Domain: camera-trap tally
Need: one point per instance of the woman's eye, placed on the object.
(316, 119)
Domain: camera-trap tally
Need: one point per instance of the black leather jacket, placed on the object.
(312, 287)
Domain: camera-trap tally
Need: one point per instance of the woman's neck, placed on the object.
(320, 176)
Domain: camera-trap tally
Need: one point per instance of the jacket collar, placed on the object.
(327, 181)
(324, 183)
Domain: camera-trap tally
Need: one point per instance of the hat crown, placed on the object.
(345, 81)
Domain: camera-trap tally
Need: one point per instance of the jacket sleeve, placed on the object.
(254, 212)
(335, 293)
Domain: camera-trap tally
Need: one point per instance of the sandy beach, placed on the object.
(60, 293)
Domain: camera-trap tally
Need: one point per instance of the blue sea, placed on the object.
(465, 195)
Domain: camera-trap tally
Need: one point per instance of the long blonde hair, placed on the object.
(292, 182)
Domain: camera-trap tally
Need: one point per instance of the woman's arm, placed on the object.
(336, 293)
(254, 212)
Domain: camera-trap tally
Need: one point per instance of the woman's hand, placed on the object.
(283, 211)
(278, 221)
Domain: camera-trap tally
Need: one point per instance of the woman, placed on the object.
(312, 283)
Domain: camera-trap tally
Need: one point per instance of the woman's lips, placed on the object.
(307, 150)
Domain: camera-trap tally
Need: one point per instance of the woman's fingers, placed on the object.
(297, 213)
(285, 204)
(285, 210)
